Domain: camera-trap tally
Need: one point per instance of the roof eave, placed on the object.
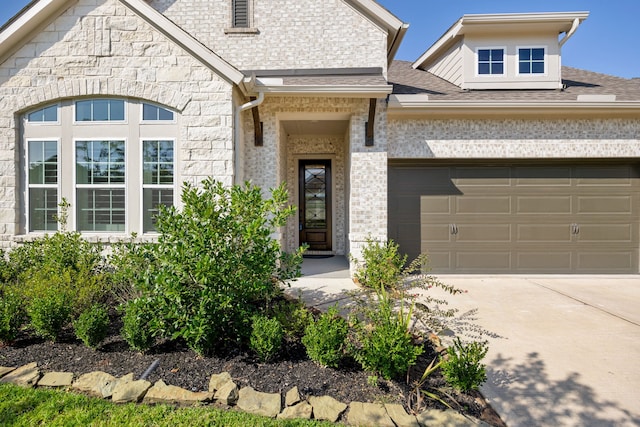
(377, 91)
(403, 106)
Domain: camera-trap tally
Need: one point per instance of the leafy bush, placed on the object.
(216, 263)
(384, 344)
(292, 315)
(136, 329)
(325, 338)
(12, 314)
(50, 312)
(382, 265)
(92, 325)
(266, 337)
(462, 369)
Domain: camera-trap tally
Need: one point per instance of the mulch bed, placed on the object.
(180, 366)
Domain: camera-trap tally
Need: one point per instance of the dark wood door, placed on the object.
(315, 204)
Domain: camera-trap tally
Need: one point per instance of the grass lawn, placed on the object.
(29, 407)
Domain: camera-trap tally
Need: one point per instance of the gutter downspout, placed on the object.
(574, 27)
(238, 170)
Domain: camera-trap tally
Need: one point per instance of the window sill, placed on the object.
(93, 238)
(241, 30)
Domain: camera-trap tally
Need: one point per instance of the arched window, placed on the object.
(113, 159)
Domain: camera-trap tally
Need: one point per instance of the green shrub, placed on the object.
(12, 313)
(462, 369)
(382, 265)
(293, 316)
(136, 324)
(266, 337)
(216, 263)
(92, 325)
(385, 345)
(50, 312)
(325, 338)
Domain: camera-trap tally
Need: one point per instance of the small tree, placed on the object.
(216, 263)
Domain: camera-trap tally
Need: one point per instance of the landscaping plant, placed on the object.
(92, 326)
(384, 343)
(266, 337)
(136, 324)
(462, 368)
(12, 313)
(216, 263)
(325, 339)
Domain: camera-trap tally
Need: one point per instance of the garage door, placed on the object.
(517, 218)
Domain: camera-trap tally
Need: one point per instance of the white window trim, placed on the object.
(546, 61)
(76, 186)
(29, 186)
(100, 122)
(159, 186)
(56, 123)
(504, 62)
(155, 122)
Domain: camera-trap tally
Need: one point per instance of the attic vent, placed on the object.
(240, 17)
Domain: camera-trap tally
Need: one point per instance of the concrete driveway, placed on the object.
(563, 350)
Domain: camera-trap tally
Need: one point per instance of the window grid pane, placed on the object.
(157, 180)
(43, 162)
(153, 198)
(100, 110)
(490, 61)
(43, 209)
(531, 61)
(155, 113)
(100, 162)
(101, 209)
(46, 114)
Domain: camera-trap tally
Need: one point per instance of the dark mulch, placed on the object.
(180, 366)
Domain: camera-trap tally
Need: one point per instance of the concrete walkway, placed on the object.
(563, 350)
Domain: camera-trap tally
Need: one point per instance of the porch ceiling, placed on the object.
(315, 127)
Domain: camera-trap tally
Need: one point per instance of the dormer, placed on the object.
(503, 51)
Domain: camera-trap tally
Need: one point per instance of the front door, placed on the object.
(315, 204)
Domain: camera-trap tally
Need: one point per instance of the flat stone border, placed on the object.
(223, 390)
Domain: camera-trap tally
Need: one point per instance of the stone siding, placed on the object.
(511, 138)
(291, 34)
(99, 47)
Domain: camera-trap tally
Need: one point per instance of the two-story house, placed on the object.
(485, 152)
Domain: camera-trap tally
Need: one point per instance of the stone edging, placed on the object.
(224, 391)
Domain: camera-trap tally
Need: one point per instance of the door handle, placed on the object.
(454, 229)
(577, 229)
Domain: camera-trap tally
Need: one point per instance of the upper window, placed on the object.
(42, 158)
(154, 113)
(531, 60)
(100, 110)
(490, 61)
(240, 13)
(46, 114)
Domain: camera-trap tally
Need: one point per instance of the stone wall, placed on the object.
(291, 34)
(99, 47)
(514, 138)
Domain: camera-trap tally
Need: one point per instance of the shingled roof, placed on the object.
(407, 80)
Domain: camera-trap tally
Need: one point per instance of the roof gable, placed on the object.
(40, 12)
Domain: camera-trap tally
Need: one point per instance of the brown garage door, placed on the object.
(517, 218)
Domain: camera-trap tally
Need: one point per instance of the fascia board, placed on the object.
(442, 43)
(162, 24)
(495, 18)
(14, 35)
(431, 109)
(350, 91)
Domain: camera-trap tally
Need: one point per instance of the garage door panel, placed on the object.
(599, 176)
(607, 261)
(483, 261)
(543, 204)
(436, 233)
(482, 176)
(536, 233)
(483, 205)
(439, 260)
(551, 176)
(548, 260)
(604, 204)
(434, 205)
(595, 233)
(487, 233)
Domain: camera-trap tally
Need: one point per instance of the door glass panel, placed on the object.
(315, 191)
